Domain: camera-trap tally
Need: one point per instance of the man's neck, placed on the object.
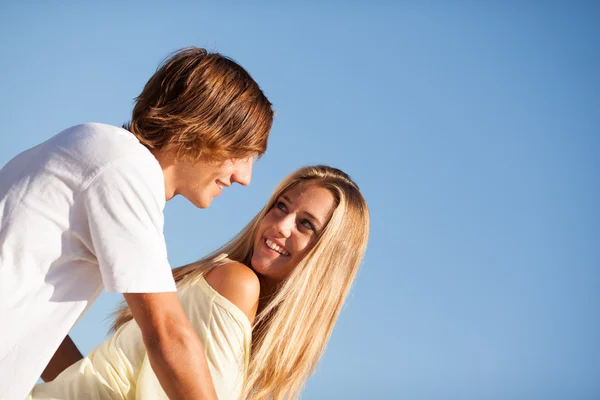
(166, 160)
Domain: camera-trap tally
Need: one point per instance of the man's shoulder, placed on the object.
(97, 137)
(99, 148)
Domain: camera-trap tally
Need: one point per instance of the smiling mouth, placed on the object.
(220, 185)
(275, 247)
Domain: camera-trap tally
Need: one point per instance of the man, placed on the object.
(83, 212)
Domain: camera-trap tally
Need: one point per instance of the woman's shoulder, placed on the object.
(238, 284)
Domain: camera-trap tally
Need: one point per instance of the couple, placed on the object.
(82, 212)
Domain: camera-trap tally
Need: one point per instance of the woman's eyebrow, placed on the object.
(315, 219)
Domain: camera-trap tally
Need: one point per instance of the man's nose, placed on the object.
(243, 173)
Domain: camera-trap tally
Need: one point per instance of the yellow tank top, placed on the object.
(119, 368)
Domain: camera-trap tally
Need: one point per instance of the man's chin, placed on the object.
(200, 203)
(203, 204)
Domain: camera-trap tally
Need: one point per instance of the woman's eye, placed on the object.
(281, 206)
(306, 223)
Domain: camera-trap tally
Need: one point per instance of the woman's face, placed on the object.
(289, 230)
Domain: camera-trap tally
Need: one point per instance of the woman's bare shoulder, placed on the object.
(238, 284)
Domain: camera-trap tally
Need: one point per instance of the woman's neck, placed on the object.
(268, 289)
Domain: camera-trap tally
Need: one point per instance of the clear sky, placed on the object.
(473, 130)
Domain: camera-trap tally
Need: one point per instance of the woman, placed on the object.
(286, 274)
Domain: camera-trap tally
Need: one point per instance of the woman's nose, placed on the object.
(285, 224)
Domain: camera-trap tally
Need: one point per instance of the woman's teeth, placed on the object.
(270, 244)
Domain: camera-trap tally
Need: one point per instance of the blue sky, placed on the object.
(473, 130)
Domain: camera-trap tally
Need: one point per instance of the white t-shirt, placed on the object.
(79, 213)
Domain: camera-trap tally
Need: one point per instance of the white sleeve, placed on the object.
(124, 207)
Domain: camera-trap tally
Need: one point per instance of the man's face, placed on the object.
(201, 181)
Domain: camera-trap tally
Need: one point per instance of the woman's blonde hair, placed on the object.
(200, 103)
(292, 330)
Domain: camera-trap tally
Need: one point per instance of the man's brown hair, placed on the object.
(200, 103)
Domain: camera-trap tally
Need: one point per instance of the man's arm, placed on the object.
(174, 349)
(65, 356)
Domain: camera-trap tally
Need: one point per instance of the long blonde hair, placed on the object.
(291, 331)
